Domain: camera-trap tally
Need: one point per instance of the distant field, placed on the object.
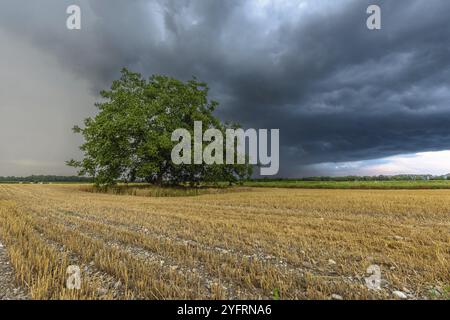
(259, 243)
(144, 188)
(52, 182)
(418, 184)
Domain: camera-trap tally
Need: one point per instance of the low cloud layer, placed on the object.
(435, 163)
(337, 91)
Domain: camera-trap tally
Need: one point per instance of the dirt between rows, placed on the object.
(9, 290)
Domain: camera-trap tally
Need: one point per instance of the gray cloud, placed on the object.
(337, 91)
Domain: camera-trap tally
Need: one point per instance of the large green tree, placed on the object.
(130, 137)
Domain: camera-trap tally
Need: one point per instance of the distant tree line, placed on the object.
(401, 177)
(53, 178)
(45, 178)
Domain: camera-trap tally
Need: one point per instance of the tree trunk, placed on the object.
(159, 180)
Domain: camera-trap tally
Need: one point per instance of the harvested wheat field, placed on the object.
(250, 243)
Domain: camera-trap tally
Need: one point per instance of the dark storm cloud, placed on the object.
(337, 91)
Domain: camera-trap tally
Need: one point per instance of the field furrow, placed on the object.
(249, 243)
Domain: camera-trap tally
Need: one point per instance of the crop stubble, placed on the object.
(300, 243)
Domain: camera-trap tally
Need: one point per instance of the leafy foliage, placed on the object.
(130, 137)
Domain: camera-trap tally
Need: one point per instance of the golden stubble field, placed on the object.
(251, 243)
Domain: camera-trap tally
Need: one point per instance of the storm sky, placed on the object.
(347, 100)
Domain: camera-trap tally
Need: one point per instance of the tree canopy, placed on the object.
(130, 137)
